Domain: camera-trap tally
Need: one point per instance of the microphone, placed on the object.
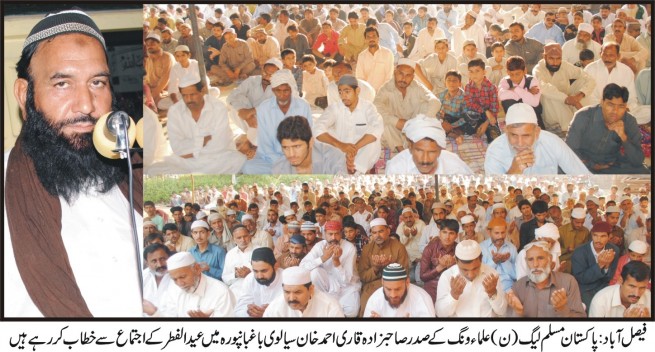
(109, 134)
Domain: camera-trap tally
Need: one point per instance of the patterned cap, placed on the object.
(394, 272)
(64, 22)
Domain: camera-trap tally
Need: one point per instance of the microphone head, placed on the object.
(116, 122)
(104, 140)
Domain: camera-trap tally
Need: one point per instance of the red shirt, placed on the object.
(330, 45)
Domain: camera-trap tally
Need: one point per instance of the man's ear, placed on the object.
(20, 93)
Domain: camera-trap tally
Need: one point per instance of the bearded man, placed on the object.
(58, 190)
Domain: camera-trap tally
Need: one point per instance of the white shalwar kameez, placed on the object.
(376, 68)
(448, 164)
(366, 92)
(424, 44)
(258, 294)
(211, 296)
(417, 304)
(233, 259)
(474, 301)
(320, 305)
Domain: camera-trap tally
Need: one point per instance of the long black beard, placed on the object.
(552, 68)
(266, 282)
(402, 300)
(66, 167)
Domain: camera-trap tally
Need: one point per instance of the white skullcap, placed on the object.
(407, 210)
(548, 230)
(623, 199)
(149, 223)
(274, 61)
(288, 213)
(468, 250)
(212, 20)
(407, 62)
(199, 223)
(578, 213)
(284, 76)
(153, 35)
(585, 27)
(296, 276)
(378, 222)
(422, 126)
(498, 206)
(201, 215)
(229, 30)
(471, 194)
(472, 14)
(638, 246)
(214, 216)
(247, 217)
(188, 80)
(146, 23)
(612, 209)
(180, 260)
(439, 205)
(498, 198)
(230, 212)
(593, 199)
(520, 113)
(467, 219)
(182, 48)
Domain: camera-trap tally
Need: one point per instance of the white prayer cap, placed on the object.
(469, 42)
(468, 250)
(214, 216)
(467, 219)
(182, 48)
(472, 14)
(422, 126)
(188, 80)
(148, 223)
(229, 30)
(296, 276)
(585, 27)
(153, 35)
(406, 210)
(288, 213)
(471, 194)
(199, 223)
(146, 23)
(201, 215)
(498, 206)
(230, 212)
(623, 199)
(212, 20)
(612, 209)
(593, 199)
(638, 246)
(378, 222)
(498, 198)
(547, 230)
(407, 62)
(180, 260)
(520, 113)
(578, 213)
(439, 205)
(247, 217)
(274, 61)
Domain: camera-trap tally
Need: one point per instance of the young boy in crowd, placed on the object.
(452, 106)
(289, 62)
(497, 63)
(520, 87)
(314, 80)
(469, 52)
(586, 57)
(481, 97)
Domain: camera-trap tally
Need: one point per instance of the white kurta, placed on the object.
(177, 72)
(156, 146)
(258, 294)
(366, 92)
(607, 303)
(418, 303)
(211, 295)
(429, 232)
(105, 216)
(233, 259)
(448, 164)
(424, 44)
(571, 54)
(363, 219)
(410, 242)
(341, 282)
(262, 239)
(375, 68)
(153, 293)
(314, 85)
(474, 301)
(247, 95)
(320, 305)
(349, 127)
(186, 136)
(263, 52)
(474, 33)
(435, 70)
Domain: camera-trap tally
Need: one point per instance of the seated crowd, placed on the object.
(429, 89)
(388, 246)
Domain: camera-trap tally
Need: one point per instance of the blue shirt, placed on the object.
(506, 270)
(442, 17)
(214, 256)
(420, 23)
(550, 152)
(541, 33)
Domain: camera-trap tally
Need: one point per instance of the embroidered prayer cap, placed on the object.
(594, 200)
(496, 222)
(378, 222)
(612, 209)
(182, 48)
(214, 216)
(247, 217)
(467, 219)
(263, 254)
(230, 212)
(296, 276)
(578, 213)
(274, 61)
(298, 239)
(422, 126)
(638, 246)
(188, 80)
(498, 206)
(438, 205)
(553, 50)
(180, 260)
(407, 62)
(520, 113)
(199, 223)
(585, 27)
(288, 213)
(293, 225)
(468, 250)
(64, 22)
(201, 215)
(394, 272)
(548, 230)
(348, 80)
(154, 36)
(308, 226)
(601, 226)
(332, 225)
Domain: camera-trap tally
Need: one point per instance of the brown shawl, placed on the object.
(34, 220)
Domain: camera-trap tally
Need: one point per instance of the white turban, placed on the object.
(284, 76)
(585, 27)
(548, 230)
(422, 126)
